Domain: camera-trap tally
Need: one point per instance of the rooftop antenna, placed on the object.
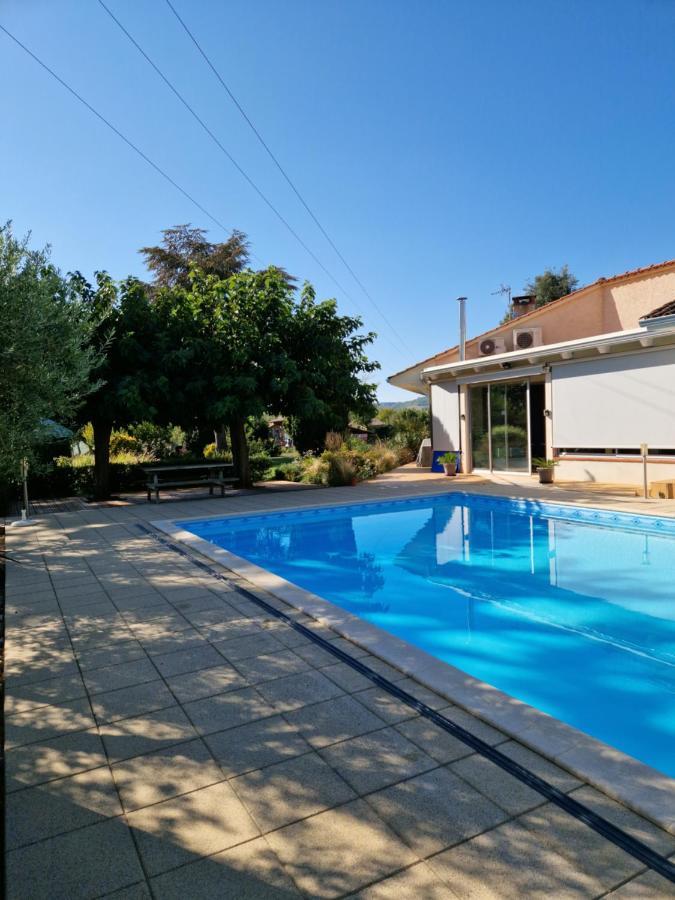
(504, 289)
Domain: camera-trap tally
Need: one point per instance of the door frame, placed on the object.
(488, 385)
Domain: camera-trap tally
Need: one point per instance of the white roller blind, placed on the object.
(445, 416)
(619, 401)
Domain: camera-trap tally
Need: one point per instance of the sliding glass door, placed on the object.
(499, 427)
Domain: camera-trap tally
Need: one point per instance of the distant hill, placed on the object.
(418, 402)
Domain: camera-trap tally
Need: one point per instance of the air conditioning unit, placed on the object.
(490, 346)
(524, 338)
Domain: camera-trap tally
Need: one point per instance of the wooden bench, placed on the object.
(213, 476)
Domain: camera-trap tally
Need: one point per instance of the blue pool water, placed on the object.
(570, 611)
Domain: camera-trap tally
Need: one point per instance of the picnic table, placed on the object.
(212, 474)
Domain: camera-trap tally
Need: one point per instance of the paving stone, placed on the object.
(641, 829)
(338, 851)
(164, 774)
(436, 742)
(382, 668)
(352, 649)
(23, 698)
(139, 891)
(132, 701)
(229, 629)
(375, 760)
(649, 886)
(291, 790)
(334, 720)
(110, 678)
(53, 668)
(386, 706)
(435, 810)
(347, 678)
(257, 744)
(63, 805)
(190, 660)
(316, 655)
(432, 699)
(79, 865)
(295, 691)
(275, 665)
(47, 722)
(180, 640)
(510, 862)
(101, 657)
(227, 710)
(207, 682)
(245, 647)
(147, 733)
(589, 853)
(418, 881)
(540, 766)
(250, 871)
(503, 789)
(45, 760)
(474, 725)
(189, 827)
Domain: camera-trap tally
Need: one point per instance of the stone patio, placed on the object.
(167, 738)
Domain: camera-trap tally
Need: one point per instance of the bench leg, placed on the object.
(222, 490)
(156, 495)
(210, 490)
(149, 495)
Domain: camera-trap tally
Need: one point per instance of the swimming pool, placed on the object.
(569, 610)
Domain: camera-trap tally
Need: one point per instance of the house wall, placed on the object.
(445, 416)
(613, 471)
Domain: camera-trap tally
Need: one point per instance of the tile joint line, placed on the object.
(617, 836)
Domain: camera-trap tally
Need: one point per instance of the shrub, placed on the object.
(123, 442)
(341, 471)
(383, 457)
(333, 441)
(159, 440)
(259, 463)
(405, 456)
(210, 452)
(289, 472)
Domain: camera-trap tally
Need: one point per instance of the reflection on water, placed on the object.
(576, 619)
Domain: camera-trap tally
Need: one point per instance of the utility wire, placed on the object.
(281, 169)
(223, 149)
(119, 134)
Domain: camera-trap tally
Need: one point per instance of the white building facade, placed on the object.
(590, 402)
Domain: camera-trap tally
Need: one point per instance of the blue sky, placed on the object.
(446, 147)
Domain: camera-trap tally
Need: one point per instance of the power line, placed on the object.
(281, 169)
(223, 149)
(119, 134)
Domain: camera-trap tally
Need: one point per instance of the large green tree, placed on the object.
(551, 285)
(332, 385)
(240, 347)
(46, 354)
(133, 385)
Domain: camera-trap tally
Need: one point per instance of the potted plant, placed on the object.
(545, 469)
(449, 462)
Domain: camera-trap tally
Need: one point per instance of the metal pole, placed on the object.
(644, 450)
(24, 471)
(462, 328)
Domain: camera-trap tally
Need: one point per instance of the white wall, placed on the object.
(612, 471)
(445, 416)
(615, 401)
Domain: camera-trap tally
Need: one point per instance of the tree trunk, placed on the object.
(102, 432)
(240, 450)
(220, 438)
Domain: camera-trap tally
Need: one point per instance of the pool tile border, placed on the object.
(622, 777)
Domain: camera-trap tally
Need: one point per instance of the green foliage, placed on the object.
(123, 442)
(45, 351)
(259, 464)
(341, 469)
(158, 440)
(448, 459)
(409, 427)
(551, 285)
(543, 463)
(331, 362)
(211, 452)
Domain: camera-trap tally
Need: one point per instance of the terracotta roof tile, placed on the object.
(668, 309)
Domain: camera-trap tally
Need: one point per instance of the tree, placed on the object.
(331, 364)
(132, 382)
(184, 247)
(408, 426)
(46, 354)
(551, 285)
(240, 347)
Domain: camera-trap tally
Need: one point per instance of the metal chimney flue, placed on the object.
(462, 328)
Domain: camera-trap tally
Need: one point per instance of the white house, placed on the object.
(586, 380)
